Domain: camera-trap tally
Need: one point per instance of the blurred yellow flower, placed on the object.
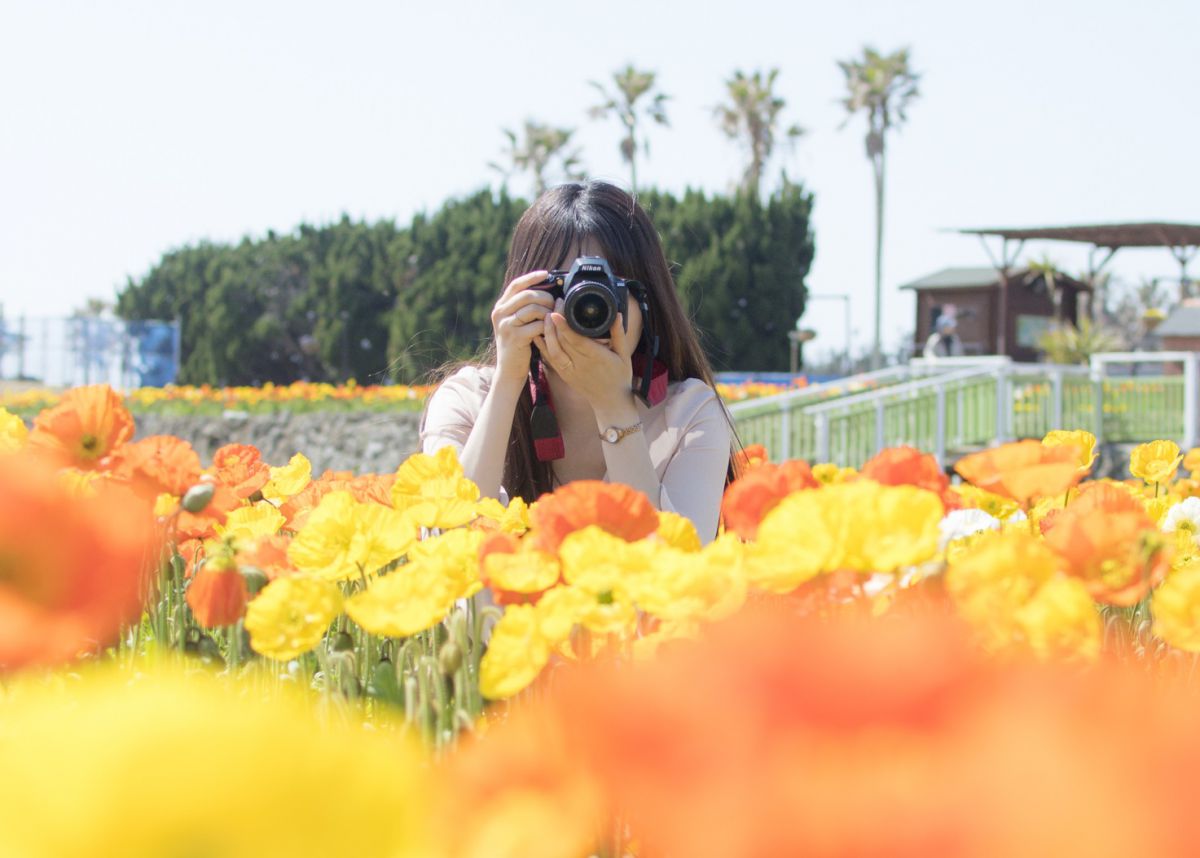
(1155, 462)
(678, 531)
(994, 578)
(255, 772)
(1175, 606)
(1084, 442)
(288, 480)
(433, 490)
(1061, 621)
(1191, 461)
(513, 518)
(705, 585)
(827, 473)
(344, 538)
(515, 656)
(993, 504)
(410, 599)
(13, 432)
(523, 571)
(247, 524)
(290, 615)
(457, 555)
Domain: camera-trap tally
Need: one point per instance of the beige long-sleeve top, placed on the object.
(688, 434)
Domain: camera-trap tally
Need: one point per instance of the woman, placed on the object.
(673, 443)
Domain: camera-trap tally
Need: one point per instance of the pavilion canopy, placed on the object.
(1112, 235)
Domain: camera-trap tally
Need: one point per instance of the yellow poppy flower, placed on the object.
(410, 599)
(522, 571)
(13, 432)
(290, 615)
(433, 490)
(1191, 461)
(1084, 442)
(993, 504)
(249, 523)
(1155, 462)
(515, 655)
(1060, 621)
(678, 531)
(1175, 606)
(457, 555)
(706, 585)
(828, 474)
(288, 480)
(343, 538)
(513, 518)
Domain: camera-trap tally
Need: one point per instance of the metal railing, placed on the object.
(949, 406)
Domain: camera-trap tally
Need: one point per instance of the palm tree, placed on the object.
(631, 85)
(752, 117)
(538, 148)
(1048, 272)
(881, 86)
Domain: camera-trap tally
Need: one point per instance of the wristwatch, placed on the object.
(613, 434)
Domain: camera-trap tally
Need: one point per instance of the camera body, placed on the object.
(592, 296)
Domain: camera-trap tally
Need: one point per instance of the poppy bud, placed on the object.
(341, 642)
(198, 497)
(450, 658)
(256, 579)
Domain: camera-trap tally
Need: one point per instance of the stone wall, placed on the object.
(358, 441)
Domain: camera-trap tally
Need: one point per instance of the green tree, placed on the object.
(629, 87)
(881, 86)
(751, 117)
(536, 150)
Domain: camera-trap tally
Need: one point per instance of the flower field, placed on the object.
(297, 396)
(253, 659)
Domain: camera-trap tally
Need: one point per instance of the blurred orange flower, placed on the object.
(87, 425)
(71, 567)
(613, 507)
(907, 466)
(240, 468)
(269, 555)
(1110, 543)
(201, 525)
(750, 497)
(750, 457)
(160, 464)
(1023, 470)
(217, 594)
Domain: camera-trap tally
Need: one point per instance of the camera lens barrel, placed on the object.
(591, 308)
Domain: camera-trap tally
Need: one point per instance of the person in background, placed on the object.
(944, 341)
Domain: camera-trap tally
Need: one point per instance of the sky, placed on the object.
(131, 128)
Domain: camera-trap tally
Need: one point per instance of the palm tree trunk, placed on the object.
(877, 350)
(632, 162)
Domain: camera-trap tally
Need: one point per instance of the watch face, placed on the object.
(610, 435)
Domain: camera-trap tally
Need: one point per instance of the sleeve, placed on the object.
(452, 410)
(694, 480)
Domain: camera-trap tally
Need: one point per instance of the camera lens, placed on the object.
(591, 310)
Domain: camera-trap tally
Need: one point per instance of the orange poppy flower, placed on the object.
(160, 464)
(1111, 544)
(749, 498)
(750, 457)
(87, 425)
(240, 468)
(201, 525)
(269, 555)
(907, 466)
(1022, 470)
(217, 595)
(71, 566)
(615, 508)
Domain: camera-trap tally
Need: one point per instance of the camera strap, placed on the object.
(547, 437)
(652, 389)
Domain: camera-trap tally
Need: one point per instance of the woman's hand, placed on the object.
(517, 320)
(602, 373)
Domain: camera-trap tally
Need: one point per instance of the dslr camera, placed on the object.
(592, 295)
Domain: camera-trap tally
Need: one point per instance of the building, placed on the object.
(1180, 331)
(973, 295)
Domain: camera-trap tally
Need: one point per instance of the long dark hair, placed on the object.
(557, 224)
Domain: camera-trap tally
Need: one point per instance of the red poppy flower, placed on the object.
(616, 508)
(217, 595)
(906, 466)
(1023, 470)
(241, 469)
(158, 464)
(749, 498)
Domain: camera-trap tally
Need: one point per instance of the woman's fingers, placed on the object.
(552, 349)
(522, 283)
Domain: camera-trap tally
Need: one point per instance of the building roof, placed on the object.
(983, 278)
(957, 278)
(1184, 321)
(1106, 235)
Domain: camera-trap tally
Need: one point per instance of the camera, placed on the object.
(592, 296)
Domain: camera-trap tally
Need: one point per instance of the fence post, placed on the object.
(1002, 406)
(821, 428)
(1098, 399)
(939, 437)
(785, 432)
(880, 429)
(1190, 381)
(1056, 405)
